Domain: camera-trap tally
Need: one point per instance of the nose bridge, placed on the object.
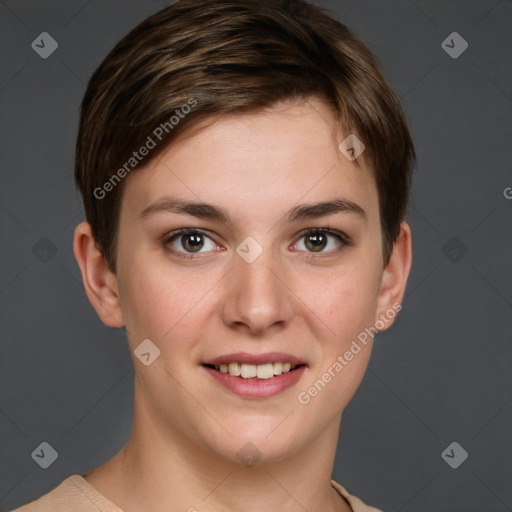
(256, 296)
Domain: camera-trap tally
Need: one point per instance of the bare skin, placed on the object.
(183, 452)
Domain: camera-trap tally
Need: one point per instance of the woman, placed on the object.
(245, 170)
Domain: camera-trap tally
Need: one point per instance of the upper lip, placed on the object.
(256, 359)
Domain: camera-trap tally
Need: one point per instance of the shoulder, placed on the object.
(74, 493)
(356, 504)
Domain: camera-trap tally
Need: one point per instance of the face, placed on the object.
(262, 275)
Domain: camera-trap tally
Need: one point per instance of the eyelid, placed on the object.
(328, 231)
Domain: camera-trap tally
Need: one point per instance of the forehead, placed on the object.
(260, 163)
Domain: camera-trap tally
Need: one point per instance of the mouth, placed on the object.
(253, 371)
(256, 375)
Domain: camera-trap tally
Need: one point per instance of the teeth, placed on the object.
(234, 369)
(264, 371)
(250, 371)
(278, 368)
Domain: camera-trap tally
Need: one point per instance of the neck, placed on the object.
(160, 468)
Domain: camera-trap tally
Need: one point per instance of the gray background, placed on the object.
(442, 373)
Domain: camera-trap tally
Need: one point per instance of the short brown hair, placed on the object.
(207, 58)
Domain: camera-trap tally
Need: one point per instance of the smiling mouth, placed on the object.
(255, 371)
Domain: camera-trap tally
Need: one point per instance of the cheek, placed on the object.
(161, 304)
(348, 308)
(347, 305)
(145, 303)
(347, 302)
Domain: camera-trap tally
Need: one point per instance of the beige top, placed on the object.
(75, 494)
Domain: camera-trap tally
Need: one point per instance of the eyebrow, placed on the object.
(217, 213)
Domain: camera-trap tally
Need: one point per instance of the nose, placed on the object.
(257, 296)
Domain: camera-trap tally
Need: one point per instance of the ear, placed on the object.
(394, 279)
(99, 282)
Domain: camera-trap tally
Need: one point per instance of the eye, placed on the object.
(189, 241)
(318, 239)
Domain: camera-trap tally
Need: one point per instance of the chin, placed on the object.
(250, 449)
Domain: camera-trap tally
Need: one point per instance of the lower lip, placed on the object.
(257, 388)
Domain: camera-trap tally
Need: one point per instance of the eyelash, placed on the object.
(343, 239)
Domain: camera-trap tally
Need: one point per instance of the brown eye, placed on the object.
(192, 242)
(189, 241)
(316, 242)
(323, 241)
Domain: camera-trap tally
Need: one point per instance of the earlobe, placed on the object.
(99, 282)
(394, 277)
